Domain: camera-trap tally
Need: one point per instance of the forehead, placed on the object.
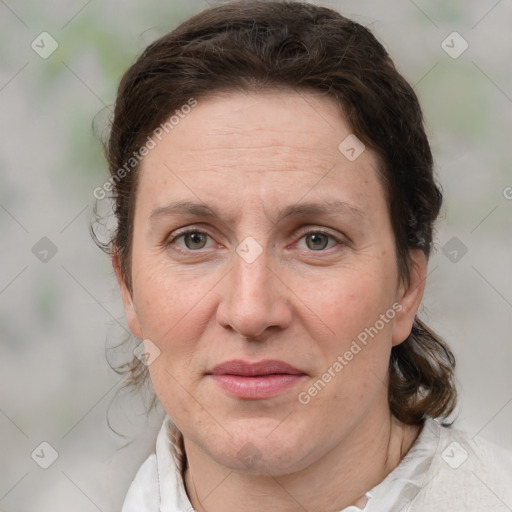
(259, 148)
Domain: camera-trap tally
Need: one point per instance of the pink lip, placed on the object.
(264, 379)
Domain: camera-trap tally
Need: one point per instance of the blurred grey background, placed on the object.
(59, 305)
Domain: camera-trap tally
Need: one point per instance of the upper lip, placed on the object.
(248, 369)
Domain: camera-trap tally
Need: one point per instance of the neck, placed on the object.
(339, 479)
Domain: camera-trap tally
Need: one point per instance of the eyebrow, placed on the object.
(295, 210)
(326, 207)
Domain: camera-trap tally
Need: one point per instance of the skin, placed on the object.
(303, 300)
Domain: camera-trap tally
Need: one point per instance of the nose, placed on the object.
(255, 300)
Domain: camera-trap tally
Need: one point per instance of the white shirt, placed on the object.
(446, 470)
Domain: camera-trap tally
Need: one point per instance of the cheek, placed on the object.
(349, 306)
(173, 311)
(169, 299)
(348, 300)
(172, 390)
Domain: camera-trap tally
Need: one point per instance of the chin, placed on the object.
(261, 447)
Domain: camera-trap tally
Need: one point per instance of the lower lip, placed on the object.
(255, 388)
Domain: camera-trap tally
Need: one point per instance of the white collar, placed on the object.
(393, 493)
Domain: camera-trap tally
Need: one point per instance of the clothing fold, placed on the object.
(445, 469)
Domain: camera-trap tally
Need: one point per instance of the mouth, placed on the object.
(255, 381)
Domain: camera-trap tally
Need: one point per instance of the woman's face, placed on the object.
(291, 245)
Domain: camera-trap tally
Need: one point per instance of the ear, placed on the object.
(127, 296)
(409, 297)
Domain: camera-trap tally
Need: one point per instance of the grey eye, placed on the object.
(317, 241)
(195, 240)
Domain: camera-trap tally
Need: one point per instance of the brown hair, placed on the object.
(258, 44)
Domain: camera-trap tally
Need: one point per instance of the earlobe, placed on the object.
(410, 296)
(126, 295)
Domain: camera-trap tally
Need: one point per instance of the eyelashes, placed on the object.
(193, 236)
(194, 240)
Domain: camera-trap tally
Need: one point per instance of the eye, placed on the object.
(192, 240)
(319, 240)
